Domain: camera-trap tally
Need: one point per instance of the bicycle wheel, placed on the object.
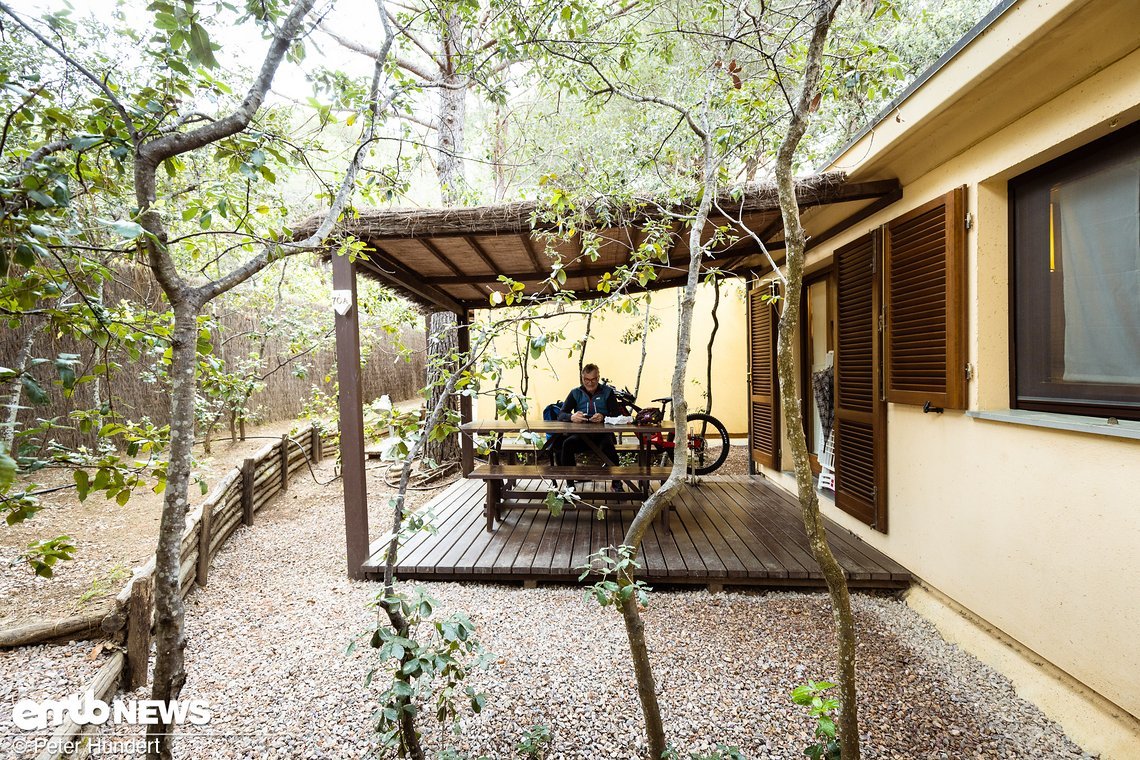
(708, 443)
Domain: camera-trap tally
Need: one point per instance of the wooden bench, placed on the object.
(529, 452)
(502, 494)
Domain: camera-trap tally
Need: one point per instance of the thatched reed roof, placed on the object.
(452, 258)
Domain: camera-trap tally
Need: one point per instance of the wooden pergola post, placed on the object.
(466, 448)
(351, 407)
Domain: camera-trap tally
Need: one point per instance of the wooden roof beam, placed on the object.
(528, 244)
(412, 283)
(482, 254)
(440, 256)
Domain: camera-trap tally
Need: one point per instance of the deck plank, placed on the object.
(724, 531)
(757, 560)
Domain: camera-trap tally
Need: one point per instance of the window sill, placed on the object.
(1074, 422)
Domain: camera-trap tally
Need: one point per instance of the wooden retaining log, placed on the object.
(74, 628)
(270, 480)
(223, 533)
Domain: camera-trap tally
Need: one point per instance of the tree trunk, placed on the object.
(16, 392)
(499, 155)
(644, 338)
(712, 340)
(585, 341)
(452, 111)
(789, 396)
(663, 496)
(443, 344)
(170, 638)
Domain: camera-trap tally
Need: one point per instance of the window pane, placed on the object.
(1099, 247)
(1076, 236)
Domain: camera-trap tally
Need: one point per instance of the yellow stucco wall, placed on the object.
(1035, 530)
(552, 377)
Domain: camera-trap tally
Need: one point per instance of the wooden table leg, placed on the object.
(491, 508)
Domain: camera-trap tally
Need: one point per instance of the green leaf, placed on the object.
(66, 369)
(44, 200)
(123, 497)
(25, 256)
(82, 484)
(7, 471)
(802, 695)
(35, 392)
(124, 228)
(201, 47)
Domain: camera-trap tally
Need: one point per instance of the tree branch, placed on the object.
(157, 151)
(118, 106)
(248, 269)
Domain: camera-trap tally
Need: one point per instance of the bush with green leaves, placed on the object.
(616, 567)
(535, 742)
(722, 752)
(427, 661)
(821, 707)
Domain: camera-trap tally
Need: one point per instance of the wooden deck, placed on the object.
(724, 532)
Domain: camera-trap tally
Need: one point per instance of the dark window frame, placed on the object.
(1097, 154)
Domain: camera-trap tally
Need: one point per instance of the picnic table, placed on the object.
(503, 478)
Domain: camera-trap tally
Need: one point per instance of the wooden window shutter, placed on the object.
(763, 385)
(860, 412)
(925, 292)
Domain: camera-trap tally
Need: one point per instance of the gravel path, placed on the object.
(267, 648)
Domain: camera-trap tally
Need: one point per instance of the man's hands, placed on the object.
(581, 417)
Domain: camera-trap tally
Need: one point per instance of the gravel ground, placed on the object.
(267, 646)
(110, 539)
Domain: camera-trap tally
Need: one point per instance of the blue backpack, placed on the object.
(551, 412)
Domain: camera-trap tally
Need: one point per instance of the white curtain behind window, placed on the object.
(1100, 257)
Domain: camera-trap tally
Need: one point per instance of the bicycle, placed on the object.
(708, 445)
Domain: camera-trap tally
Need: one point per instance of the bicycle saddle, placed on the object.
(661, 400)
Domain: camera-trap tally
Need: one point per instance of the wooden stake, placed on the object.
(138, 632)
(285, 463)
(247, 468)
(315, 443)
(204, 526)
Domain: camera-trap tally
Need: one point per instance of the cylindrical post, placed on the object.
(284, 459)
(315, 443)
(204, 527)
(247, 492)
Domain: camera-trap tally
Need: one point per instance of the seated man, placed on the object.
(589, 403)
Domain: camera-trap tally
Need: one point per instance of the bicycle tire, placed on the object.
(712, 431)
